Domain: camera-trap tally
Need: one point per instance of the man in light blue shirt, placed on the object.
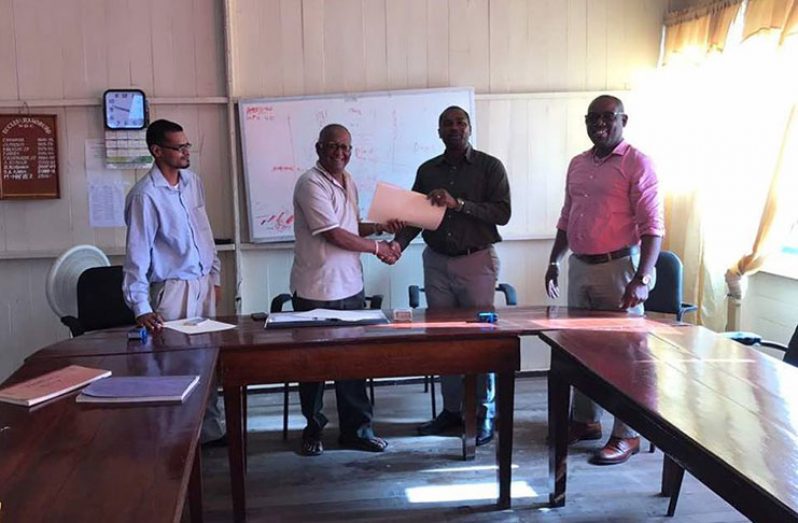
(171, 269)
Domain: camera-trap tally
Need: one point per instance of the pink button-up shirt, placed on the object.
(612, 202)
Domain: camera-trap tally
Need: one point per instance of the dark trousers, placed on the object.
(354, 408)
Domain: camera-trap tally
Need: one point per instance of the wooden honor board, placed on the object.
(28, 157)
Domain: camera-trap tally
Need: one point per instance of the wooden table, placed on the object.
(437, 342)
(722, 411)
(251, 355)
(69, 462)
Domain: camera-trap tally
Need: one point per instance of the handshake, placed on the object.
(389, 252)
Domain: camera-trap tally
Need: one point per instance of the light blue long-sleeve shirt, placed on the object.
(168, 236)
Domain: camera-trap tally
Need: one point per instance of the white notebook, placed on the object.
(140, 389)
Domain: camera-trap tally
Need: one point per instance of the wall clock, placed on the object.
(125, 109)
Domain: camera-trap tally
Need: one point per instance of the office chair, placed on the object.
(374, 302)
(666, 296)
(413, 295)
(100, 301)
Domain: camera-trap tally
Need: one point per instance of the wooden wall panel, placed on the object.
(293, 81)
(344, 46)
(376, 35)
(437, 44)
(39, 48)
(469, 44)
(207, 50)
(313, 50)
(495, 46)
(8, 56)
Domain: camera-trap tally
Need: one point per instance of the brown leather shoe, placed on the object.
(617, 450)
(579, 431)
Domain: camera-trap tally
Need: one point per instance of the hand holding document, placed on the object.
(391, 202)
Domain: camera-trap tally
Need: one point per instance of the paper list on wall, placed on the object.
(107, 188)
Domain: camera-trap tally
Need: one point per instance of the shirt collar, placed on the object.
(327, 174)
(159, 180)
(619, 150)
(469, 156)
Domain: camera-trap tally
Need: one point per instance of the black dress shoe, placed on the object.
(485, 430)
(445, 421)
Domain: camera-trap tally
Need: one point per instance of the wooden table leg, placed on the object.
(233, 408)
(195, 487)
(505, 385)
(672, 476)
(559, 396)
(470, 417)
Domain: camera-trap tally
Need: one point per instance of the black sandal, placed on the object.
(311, 446)
(372, 444)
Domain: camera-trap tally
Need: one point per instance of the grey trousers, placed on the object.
(176, 299)
(601, 286)
(463, 281)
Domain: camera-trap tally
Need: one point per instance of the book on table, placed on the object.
(140, 389)
(47, 386)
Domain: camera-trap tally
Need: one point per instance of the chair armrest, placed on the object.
(375, 301)
(688, 307)
(746, 338)
(279, 301)
(75, 327)
(508, 290)
(412, 296)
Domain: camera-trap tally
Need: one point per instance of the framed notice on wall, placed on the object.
(28, 157)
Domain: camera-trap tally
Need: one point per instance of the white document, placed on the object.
(324, 316)
(391, 202)
(197, 325)
(107, 189)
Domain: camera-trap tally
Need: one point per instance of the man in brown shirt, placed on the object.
(460, 264)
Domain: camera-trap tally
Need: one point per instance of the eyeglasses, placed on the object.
(183, 147)
(331, 147)
(606, 117)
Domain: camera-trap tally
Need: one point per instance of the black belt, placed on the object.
(594, 259)
(464, 252)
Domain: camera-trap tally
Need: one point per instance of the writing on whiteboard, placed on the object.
(393, 132)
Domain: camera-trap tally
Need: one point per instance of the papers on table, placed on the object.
(139, 389)
(197, 325)
(319, 317)
(391, 202)
(50, 385)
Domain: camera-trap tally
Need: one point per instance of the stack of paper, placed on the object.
(50, 385)
(319, 317)
(140, 389)
(197, 325)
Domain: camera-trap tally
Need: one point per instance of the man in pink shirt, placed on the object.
(612, 220)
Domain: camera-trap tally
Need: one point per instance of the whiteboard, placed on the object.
(393, 132)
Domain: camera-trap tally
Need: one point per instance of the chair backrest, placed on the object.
(791, 356)
(374, 302)
(666, 296)
(510, 296)
(101, 304)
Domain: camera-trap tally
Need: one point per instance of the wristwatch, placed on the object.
(460, 204)
(645, 279)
